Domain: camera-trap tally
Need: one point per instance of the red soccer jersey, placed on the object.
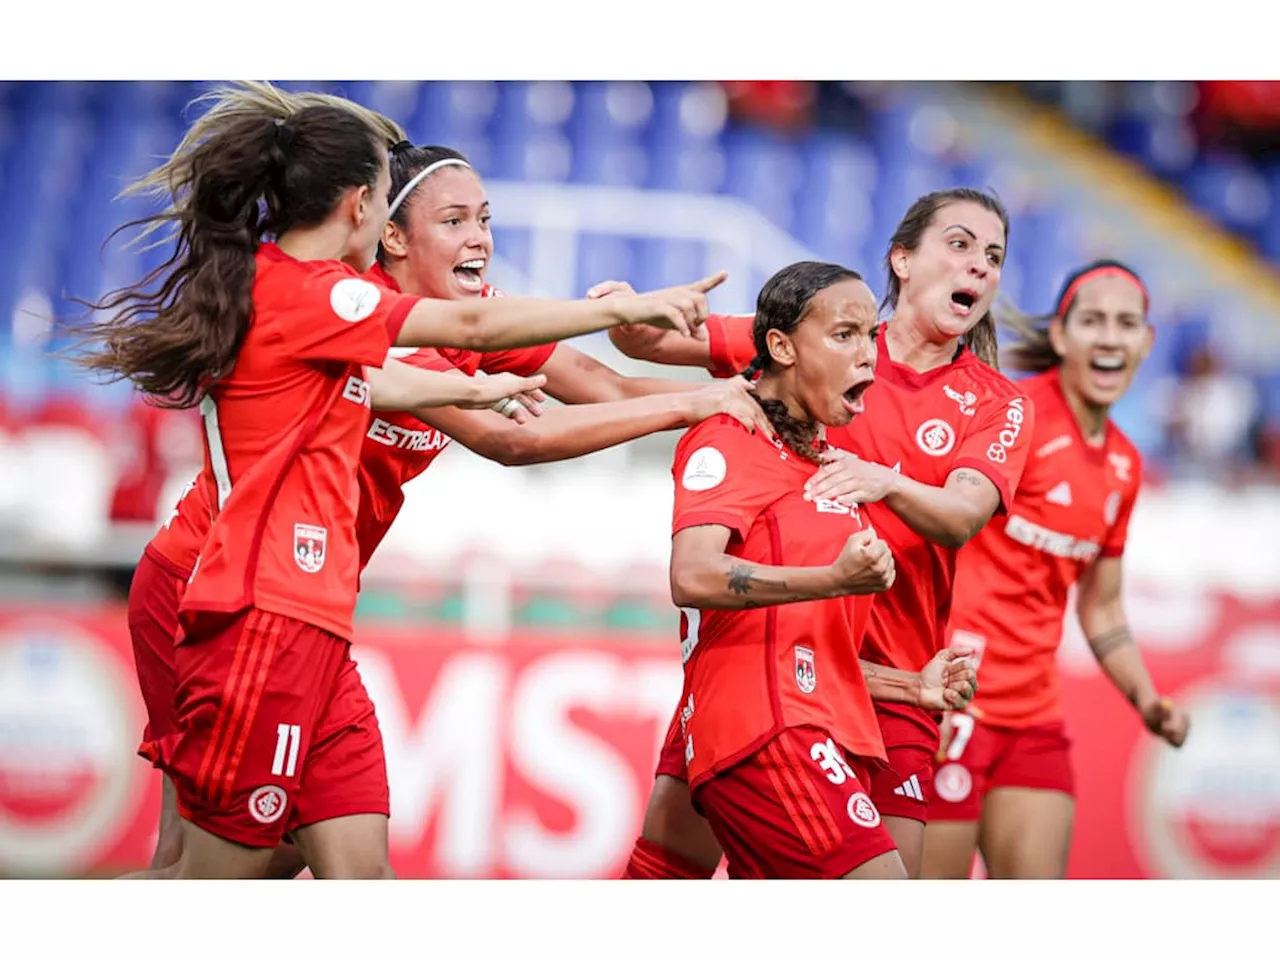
(926, 425)
(1073, 505)
(151, 442)
(178, 542)
(731, 343)
(749, 674)
(399, 446)
(523, 361)
(283, 433)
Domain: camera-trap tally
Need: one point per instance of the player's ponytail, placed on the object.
(981, 339)
(255, 165)
(1033, 352)
(782, 305)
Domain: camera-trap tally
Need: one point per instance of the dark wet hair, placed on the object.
(782, 305)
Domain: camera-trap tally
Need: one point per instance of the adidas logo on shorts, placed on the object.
(910, 788)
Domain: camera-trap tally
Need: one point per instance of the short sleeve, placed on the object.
(334, 314)
(524, 362)
(997, 446)
(1118, 533)
(424, 358)
(721, 477)
(732, 345)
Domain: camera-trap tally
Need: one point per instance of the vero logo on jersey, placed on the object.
(1013, 419)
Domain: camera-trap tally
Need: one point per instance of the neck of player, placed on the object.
(327, 241)
(1091, 417)
(404, 278)
(908, 346)
(781, 402)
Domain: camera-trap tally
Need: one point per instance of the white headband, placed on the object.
(426, 172)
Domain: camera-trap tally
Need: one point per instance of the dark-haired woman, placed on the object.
(776, 723)
(938, 453)
(1005, 781)
(275, 732)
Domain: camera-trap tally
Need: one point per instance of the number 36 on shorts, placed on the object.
(832, 762)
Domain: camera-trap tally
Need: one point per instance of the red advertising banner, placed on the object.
(533, 757)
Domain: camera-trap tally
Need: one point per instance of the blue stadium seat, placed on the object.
(67, 148)
(602, 257)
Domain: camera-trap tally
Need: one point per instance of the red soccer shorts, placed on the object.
(154, 596)
(982, 758)
(902, 788)
(275, 731)
(796, 810)
(671, 762)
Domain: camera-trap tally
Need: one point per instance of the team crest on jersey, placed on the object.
(1121, 465)
(953, 782)
(266, 804)
(1111, 509)
(936, 437)
(862, 811)
(806, 674)
(308, 546)
(966, 400)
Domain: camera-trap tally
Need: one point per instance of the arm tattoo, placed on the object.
(740, 578)
(743, 577)
(970, 477)
(1106, 643)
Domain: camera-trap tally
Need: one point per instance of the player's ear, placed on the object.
(395, 243)
(1058, 336)
(356, 204)
(781, 348)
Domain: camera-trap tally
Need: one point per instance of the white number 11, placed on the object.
(288, 736)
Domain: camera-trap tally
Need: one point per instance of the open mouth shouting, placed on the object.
(963, 301)
(852, 399)
(1107, 370)
(470, 274)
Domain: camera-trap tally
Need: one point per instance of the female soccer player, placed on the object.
(168, 560)
(276, 732)
(437, 243)
(1005, 781)
(776, 723)
(940, 450)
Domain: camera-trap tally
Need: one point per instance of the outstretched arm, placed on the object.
(502, 323)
